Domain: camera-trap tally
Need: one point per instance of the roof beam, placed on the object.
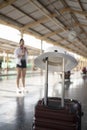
(52, 33)
(38, 21)
(73, 11)
(6, 3)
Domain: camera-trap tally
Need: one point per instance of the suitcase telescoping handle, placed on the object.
(63, 83)
(46, 83)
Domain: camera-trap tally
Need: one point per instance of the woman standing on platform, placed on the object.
(21, 55)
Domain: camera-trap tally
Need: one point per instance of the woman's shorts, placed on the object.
(23, 64)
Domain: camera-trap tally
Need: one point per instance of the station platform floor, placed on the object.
(17, 111)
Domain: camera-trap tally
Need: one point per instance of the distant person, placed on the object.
(84, 70)
(0, 67)
(21, 55)
(67, 75)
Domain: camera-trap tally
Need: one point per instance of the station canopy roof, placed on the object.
(60, 22)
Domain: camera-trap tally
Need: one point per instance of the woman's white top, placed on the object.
(17, 52)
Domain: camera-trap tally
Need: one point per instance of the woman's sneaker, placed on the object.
(24, 90)
(18, 91)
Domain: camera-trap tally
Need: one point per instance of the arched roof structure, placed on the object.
(49, 20)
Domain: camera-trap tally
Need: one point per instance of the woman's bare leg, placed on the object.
(18, 76)
(23, 74)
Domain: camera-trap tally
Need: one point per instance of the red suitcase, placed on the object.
(53, 113)
(54, 117)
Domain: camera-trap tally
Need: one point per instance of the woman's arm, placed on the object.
(25, 50)
(20, 55)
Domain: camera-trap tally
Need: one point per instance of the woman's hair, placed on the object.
(21, 40)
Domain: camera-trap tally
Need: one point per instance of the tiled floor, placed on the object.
(16, 112)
